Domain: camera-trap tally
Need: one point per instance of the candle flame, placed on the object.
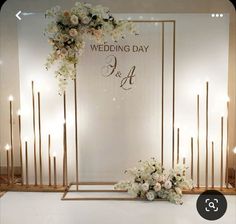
(234, 150)
(7, 147)
(10, 98)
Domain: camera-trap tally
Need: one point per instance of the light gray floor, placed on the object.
(47, 208)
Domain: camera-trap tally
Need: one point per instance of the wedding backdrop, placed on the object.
(162, 93)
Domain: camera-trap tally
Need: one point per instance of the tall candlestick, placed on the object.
(177, 145)
(212, 165)
(173, 99)
(227, 150)
(55, 171)
(162, 91)
(49, 161)
(76, 136)
(26, 164)
(20, 146)
(184, 162)
(11, 139)
(221, 154)
(7, 147)
(192, 158)
(198, 142)
(40, 142)
(34, 131)
(207, 103)
(65, 177)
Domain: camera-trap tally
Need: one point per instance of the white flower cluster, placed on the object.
(68, 30)
(150, 180)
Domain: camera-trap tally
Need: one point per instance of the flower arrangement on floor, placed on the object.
(151, 181)
(68, 30)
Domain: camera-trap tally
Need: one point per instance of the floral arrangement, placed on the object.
(149, 180)
(68, 30)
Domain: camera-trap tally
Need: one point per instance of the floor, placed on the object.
(47, 208)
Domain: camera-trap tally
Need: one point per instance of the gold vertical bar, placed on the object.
(207, 114)
(65, 177)
(12, 147)
(40, 142)
(49, 161)
(227, 150)
(162, 91)
(173, 98)
(8, 168)
(212, 165)
(184, 162)
(76, 136)
(26, 165)
(192, 158)
(20, 146)
(55, 171)
(177, 145)
(34, 131)
(198, 141)
(221, 154)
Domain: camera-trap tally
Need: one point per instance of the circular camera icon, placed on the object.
(211, 205)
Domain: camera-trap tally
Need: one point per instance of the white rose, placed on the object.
(155, 176)
(161, 178)
(168, 185)
(145, 187)
(73, 32)
(150, 195)
(178, 190)
(74, 19)
(157, 187)
(85, 20)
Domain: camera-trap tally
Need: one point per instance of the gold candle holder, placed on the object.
(55, 171)
(227, 150)
(222, 153)
(11, 139)
(212, 165)
(178, 146)
(192, 158)
(198, 141)
(34, 131)
(26, 165)
(20, 146)
(65, 176)
(76, 136)
(162, 92)
(184, 162)
(207, 114)
(40, 142)
(49, 161)
(173, 99)
(7, 147)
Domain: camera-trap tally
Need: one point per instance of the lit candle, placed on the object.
(40, 142)
(198, 142)
(207, 104)
(227, 148)
(212, 165)
(221, 154)
(26, 164)
(49, 161)
(65, 178)
(34, 131)
(10, 98)
(55, 169)
(7, 147)
(20, 146)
